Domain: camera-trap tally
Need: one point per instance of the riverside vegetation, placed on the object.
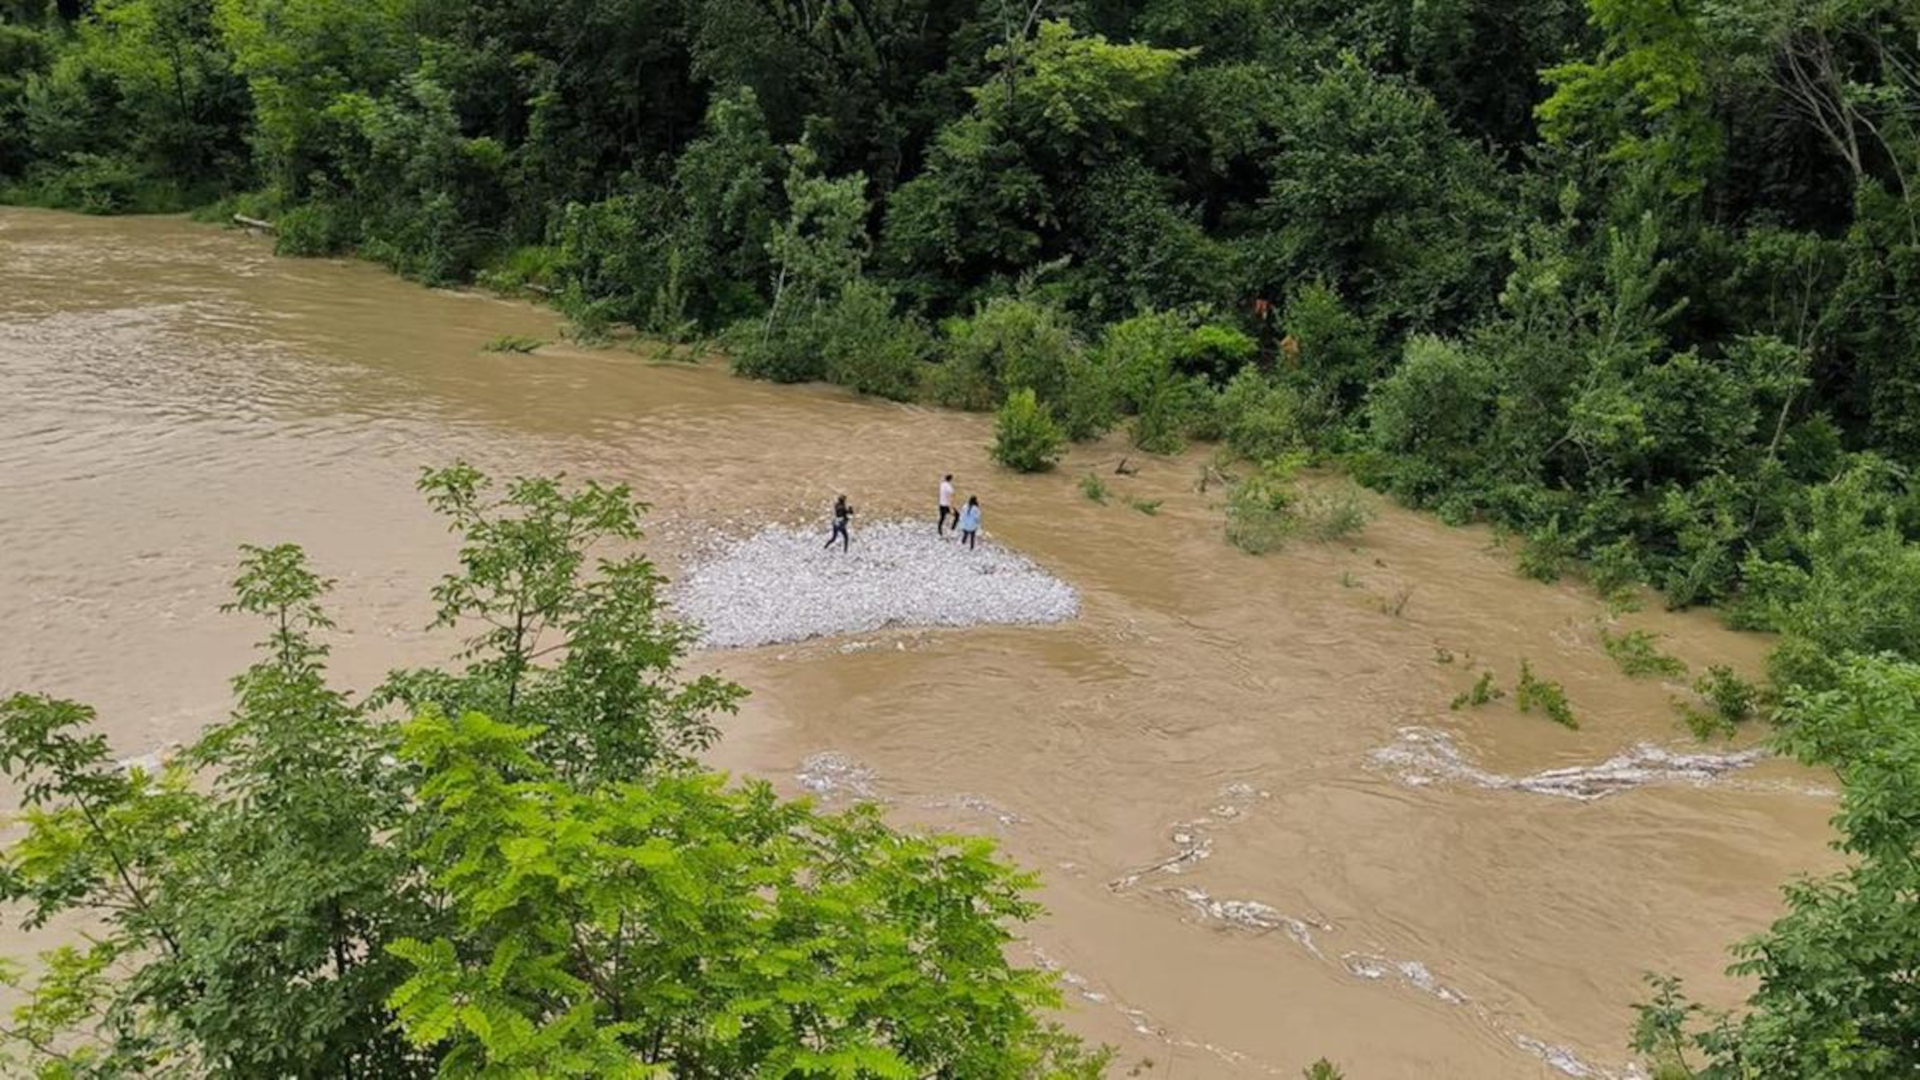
(1633, 279)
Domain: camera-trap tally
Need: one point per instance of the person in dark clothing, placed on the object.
(842, 513)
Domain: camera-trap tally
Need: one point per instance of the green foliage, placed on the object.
(242, 914)
(1149, 507)
(1730, 701)
(611, 705)
(1025, 437)
(1094, 488)
(1549, 696)
(1844, 578)
(311, 890)
(1429, 416)
(1832, 976)
(1482, 692)
(310, 231)
(1545, 553)
(1646, 97)
(1330, 514)
(513, 343)
(1262, 507)
(1144, 356)
(680, 927)
(1639, 655)
(533, 267)
(869, 349)
(1322, 1070)
(1257, 417)
(1006, 344)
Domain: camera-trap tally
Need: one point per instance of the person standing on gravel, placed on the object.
(946, 504)
(970, 521)
(842, 513)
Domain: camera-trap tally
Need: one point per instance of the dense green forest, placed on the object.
(1638, 280)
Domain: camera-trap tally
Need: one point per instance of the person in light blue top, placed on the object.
(970, 521)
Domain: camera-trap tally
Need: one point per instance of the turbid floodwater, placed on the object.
(1264, 835)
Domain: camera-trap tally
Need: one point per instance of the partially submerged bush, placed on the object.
(1260, 508)
(1266, 509)
(1638, 656)
(1005, 345)
(314, 229)
(513, 343)
(1545, 553)
(1025, 437)
(869, 349)
(1549, 696)
(1094, 488)
(1255, 416)
(1729, 701)
(1482, 692)
(1330, 515)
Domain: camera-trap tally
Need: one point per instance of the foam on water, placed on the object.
(1421, 756)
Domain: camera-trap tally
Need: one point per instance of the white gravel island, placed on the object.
(780, 584)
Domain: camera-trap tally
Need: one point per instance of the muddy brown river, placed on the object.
(1264, 835)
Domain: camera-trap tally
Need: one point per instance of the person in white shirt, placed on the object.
(946, 504)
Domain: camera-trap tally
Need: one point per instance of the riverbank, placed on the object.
(1207, 726)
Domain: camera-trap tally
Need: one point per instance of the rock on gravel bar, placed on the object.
(781, 585)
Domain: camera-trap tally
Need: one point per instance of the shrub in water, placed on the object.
(1006, 344)
(1255, 417)
(1730, 701)
(1094, 488)
(1260, 508)
(1637, 655)
(513, 343)
(1328, 516)
(1548, 695)
(1090, 403)
(1025, 437)
(868, 349)
(312, 230)
(1544, 555)
(1482, 692)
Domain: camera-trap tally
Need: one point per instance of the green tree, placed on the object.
(1834, 994)
(1646, 97)
(611, 705)
(674, 927)
(246, 916)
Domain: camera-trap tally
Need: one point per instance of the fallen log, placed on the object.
(252, 223)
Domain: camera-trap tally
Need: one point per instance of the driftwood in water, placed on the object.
(253, 223)
(543, 290)
(1122, 469)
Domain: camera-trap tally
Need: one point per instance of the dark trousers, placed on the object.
(945, 513)
(840, 534)
(967, 537)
